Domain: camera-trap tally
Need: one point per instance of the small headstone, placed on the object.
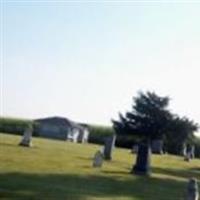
(27, 137)
(157, 146)
(190, 153)
(192, 190)
(134, 149)
(103, 149)
(109, 145)
(98, 159)
(187, 157)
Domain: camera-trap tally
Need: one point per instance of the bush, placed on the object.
(13, 125)
(98, 133)
(126, 142)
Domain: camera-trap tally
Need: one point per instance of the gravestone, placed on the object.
(102, 150)
(142, 166)
(187, 157)
(108, 147)
(192, 190)
(98, 159)
(157, 146)
(184, 150)
(134, 148)
(27, 137)
(192, 152)
(83, 136)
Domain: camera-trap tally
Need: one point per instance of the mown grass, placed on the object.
(62, 170)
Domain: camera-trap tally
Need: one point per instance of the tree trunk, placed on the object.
(143, 161)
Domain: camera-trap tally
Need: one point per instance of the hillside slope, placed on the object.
(63, 170)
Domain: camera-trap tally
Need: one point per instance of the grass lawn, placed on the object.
(63, 171)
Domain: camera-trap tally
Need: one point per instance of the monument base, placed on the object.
(138, 171)
(25, 144)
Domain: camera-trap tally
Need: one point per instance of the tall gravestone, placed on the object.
(192, 190)
(108, 147)
(27, 137)
(142, 166)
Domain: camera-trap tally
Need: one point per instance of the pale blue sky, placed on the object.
(85, 60)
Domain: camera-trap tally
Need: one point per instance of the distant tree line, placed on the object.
(14, 125)
(99, 132)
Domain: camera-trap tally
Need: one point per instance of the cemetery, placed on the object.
(41, 168)
(80, 117)
(50, 169)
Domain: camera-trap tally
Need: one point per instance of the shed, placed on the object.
(62, 128)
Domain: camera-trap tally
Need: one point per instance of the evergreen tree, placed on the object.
(151, 119)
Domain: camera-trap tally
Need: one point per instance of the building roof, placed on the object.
(60, 121)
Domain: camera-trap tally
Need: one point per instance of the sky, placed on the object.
(85, 60)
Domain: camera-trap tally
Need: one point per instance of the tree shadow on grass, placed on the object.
(116, 172)
(3, 144)
(177, 172)
(196, 169)
(25, 186)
